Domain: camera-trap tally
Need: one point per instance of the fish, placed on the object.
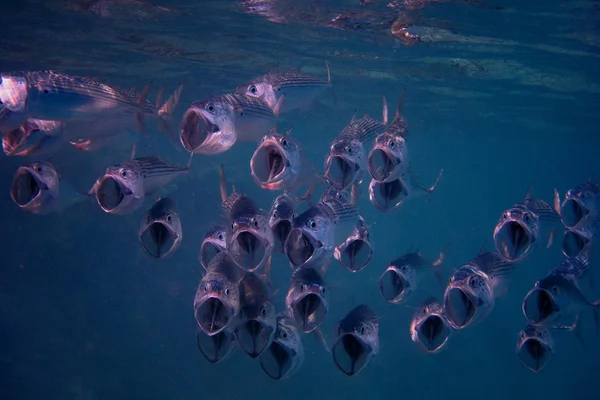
(213, 126)
(123, 187)
(39, 189)
(307, 300)
(388, 159)
(217, 300)
(429, 328)
(471, 294)
(557, 300)
(249, 237)
(346, 161)
(580, 207)
(34, 138)
(214, 242)
(401, 281)
(285, 355)
(518, 228)
(281, 218)
(118, 141)
(356, 341)
(278, 164)
(535, 347)
(161, 232)
(356, 252)
(216, 348)
(576, 242)
(258, 320)
(286, 91)
(392, 195)
(317, 231)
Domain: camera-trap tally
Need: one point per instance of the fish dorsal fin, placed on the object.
(288, 132)
(529, 190)
(144, 94)
(492, 264)
(328, 72)
(384, 116)
(159, 97)
(223, 184)
(400, 105)
(482, 249)
(556, 202)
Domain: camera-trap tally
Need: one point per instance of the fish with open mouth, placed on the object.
(517, 231)
(297, 88)
(278, 164)
(257, 322)
(392, 195)
(249, 236)
(281, 218)
(123, 187)
(429, 328)
(557, 300)
(216, 348)
(472, 291)
(213, 126)
(535, 347)
(401, 281)
(356, 251)
(217, 300)
(34, 138)
(388, 158)
(160, 233)
(577, 241)
(307, 300)
(580, 207)
(346, 161)
(39, 189)
(285, 356)
(215, 242)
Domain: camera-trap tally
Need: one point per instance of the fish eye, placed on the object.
(362, 329)
(555, 289)
(210, 107)
(255, 222)
(522, 335)
(284, 142)
(169, 218)
(302, 287)
(227, 291)
(348, 149)
(284, 334)
(322, 290)
(473, 282)
(233, 226)
(124, 173)
(206, 287)
(539, 333)
(312, 223)
(527, 218)
(39, 169)
(220, 236)
(264, 311)
(275, 214)
(339, 329)
(392, 144)
(294, 215)
(405, 269)
(424, 310)
(253, 89)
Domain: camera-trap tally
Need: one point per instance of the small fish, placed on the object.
(249, 236)
(346, 161)
(258, 320)
(576, 242)
(119, 141)
(285, 355)
(35, 138)
(581, 205)
(356, 340)
(307, 300)
(161, 234)
(278, 164)
(298, 89)
(215, 242)
(429, 328)
(38, 189)
(217, 300)
(557, 300)
(535, 346)
(388, 159)
(392, 195)
(281, 218)
(356, 252)
(472, 291)
(215, 125)
(216, 348)
(123, 187)
(317, 231)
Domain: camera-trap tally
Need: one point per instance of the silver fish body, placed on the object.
(216, 348)
(535, 347)
(307, 300)
(285, 355)
(581, 206)
(215, 242)
(429, 328)
(161, 232)
(356, 251)
(281, 218)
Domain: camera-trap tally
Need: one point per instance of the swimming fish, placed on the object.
(356, 251)
(429, 328)
(281, 218)
(535, 347)
(216, 348)
(392, 195)
(214, 243)
(307, 300)
(581, 205)
(161, 232)
(285, 355)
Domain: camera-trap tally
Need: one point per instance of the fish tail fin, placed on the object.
(384, 116)
(309, 192)
(165, 112)
(222, 183)
(189, 163)
(133, 151)
(431, 188)
(321, 339)
(551, 238)
(400, 105)
(438, 263)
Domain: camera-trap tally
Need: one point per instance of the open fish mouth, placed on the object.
(281, 230)
(392, 286)
(216, 347)
(111, 193)
(13, 141)
(539, 306)
(573, 212)
(26, 187)
(248, 250)
(195, 129)
(387, 196)
(513, 240)
(351, 354)
(433, 333)
(309, 311)
(268, 163)
(213, 315)
(460, 308)
(340, 172)
(356, 255)
(254, 337)
(278, 360)
(534, 354)
(208, 250)
(299, 247)
(158, 239)
(573, 243)
(381, 165)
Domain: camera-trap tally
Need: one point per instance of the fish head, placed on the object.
(260, 89)
(576, 242)
(308, 303)
(516, 233)
(356, 251)
(281, 219)
(14, 95)
(250, 241)
(161, 232)
(276, 162)
(214, 243)
(388, 196)
(356, 343)
(578, 204)
(535, 347)
(311, 235)
(548, 300)
(208, 127)
(388, 158)
(216, 304)
(120, 190)
(429, 328)
(398, 282)
(468, 297)
(217, 347)
(256, 330)
(285, 354)
(35, 186)
(344, 162)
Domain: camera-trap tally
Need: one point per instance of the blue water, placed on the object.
(500, 97)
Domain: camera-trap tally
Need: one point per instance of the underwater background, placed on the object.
(500, 94)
